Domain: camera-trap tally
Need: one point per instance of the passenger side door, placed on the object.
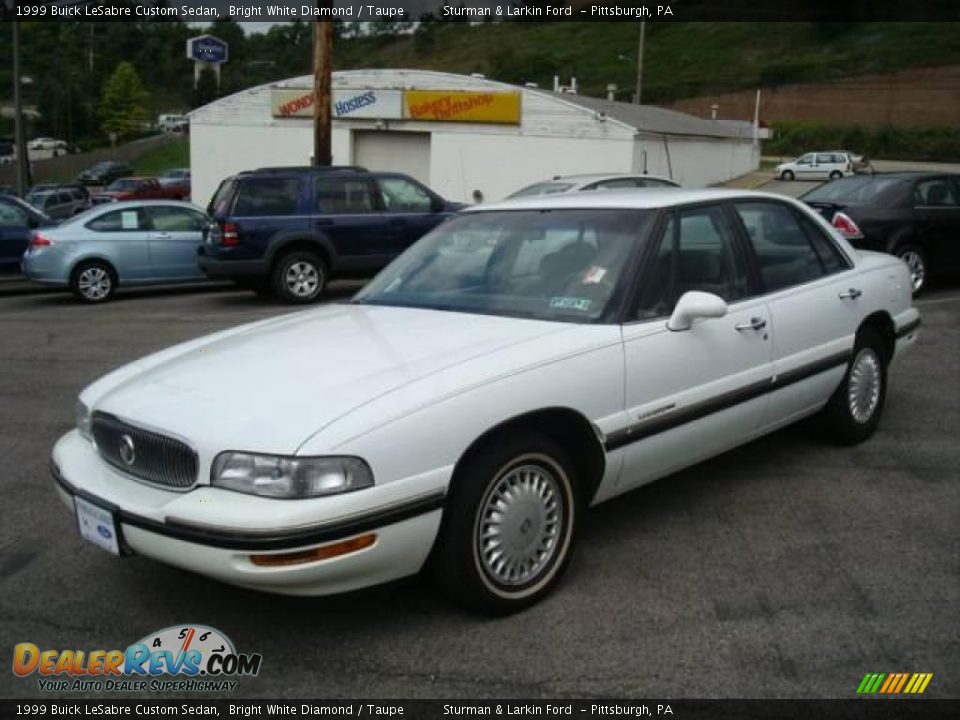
(121, 237)
(347, 214)
(14, 235)
(175, 235)
(937, 209)
(411, 211)
(692, 393)
(806, 167)
(814, 300)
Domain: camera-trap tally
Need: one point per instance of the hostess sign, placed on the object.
(298, 102)
(424, 105)
(208, 49)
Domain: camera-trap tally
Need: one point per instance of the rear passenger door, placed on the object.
(175, 234)
(346, 213)
(814, 302)
(122, 238)
(937, 208)
(696, 392)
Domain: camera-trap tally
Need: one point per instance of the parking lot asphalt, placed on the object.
(786, 568)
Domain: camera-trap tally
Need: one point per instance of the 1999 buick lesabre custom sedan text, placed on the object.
(521, 362)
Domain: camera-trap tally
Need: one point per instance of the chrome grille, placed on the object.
(144, 454)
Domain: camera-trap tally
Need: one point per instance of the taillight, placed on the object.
(40, 240)
(847, 227)
(229, 236)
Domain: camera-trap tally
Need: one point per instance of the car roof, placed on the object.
(131, 204)
(649, 199)
(594, 177)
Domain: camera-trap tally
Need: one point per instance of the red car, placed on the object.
(139, 188)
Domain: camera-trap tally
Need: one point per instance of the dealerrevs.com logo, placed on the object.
(181, 658)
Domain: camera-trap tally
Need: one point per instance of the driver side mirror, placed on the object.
(693, 305)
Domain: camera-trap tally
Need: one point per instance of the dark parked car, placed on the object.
(177, 179)
(59, 202)
(137, 188)
(915, 216)
(18, 220)
(104, 173)
(290, 230)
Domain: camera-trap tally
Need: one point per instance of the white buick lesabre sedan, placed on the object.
(522, 362)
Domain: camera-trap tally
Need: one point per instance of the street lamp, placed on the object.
(639, 87)
(23, 167)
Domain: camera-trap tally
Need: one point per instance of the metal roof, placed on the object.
(659, 120)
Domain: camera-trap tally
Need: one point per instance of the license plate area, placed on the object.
(97, 525)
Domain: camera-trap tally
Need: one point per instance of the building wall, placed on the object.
(694, 162)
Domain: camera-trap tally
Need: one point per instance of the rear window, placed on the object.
(855, 189)
(267, 196)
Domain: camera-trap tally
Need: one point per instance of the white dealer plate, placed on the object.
(97, 525)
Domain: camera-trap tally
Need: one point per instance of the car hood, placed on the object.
(269, 386)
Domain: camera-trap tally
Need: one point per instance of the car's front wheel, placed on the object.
(787, 175)
(299, 277)
(93, 282)
(509, 527)
(854, 411)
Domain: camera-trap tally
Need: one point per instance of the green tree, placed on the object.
(206, 90)
(121, 108)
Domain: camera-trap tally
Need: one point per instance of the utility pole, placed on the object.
(23, 168)
(322, 73)
(636, 97)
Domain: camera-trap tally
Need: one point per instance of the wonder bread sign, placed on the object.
(467, 106)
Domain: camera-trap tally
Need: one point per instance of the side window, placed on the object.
(174, 219)
(825, 159)
(784, 251)
(12, 216)
(651, 183)
(118, 221)
(401, 195)
(695, 252)
(935, 193)
(615, 184)
(343, 196)
(805, 160)
(831, 258)
(268, 196)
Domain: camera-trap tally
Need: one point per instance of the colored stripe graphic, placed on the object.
(894, 683)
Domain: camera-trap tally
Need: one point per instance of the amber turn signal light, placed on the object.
(324, 552)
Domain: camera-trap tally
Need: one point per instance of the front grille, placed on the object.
(144, 454)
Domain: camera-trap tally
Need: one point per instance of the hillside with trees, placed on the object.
(70, 64)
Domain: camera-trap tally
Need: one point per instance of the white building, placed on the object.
(461, 134)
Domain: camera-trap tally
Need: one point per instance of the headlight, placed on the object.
(82, 417)
(289, 477)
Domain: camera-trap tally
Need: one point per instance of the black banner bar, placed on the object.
(872, 708)
(266, 11)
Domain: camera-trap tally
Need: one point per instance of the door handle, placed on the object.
(850, 294)
(755, 324)
(161, 236)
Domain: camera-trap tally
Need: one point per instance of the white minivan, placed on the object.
(816, 166)
(167, 123)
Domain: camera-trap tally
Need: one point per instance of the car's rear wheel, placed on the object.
(854, 411)
(509, 527)
(93, 282)
(299, 277)
(787, 175)
(836, 175)
(916, 261)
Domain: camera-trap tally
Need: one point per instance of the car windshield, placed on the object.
(559, 265)
(544, 188)
(124, 184)
(854, 189)
(36, 199)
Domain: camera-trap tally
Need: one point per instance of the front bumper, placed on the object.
(222, 547)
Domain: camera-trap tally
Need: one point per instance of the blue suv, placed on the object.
(290, 230)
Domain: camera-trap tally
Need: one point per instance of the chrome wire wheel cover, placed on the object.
(94, 283)
(864, 385)
(302, 279)
(520, 525)
(918, 271)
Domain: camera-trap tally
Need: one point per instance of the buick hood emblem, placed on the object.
(128, 451)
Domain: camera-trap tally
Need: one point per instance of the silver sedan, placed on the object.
(126, 243)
